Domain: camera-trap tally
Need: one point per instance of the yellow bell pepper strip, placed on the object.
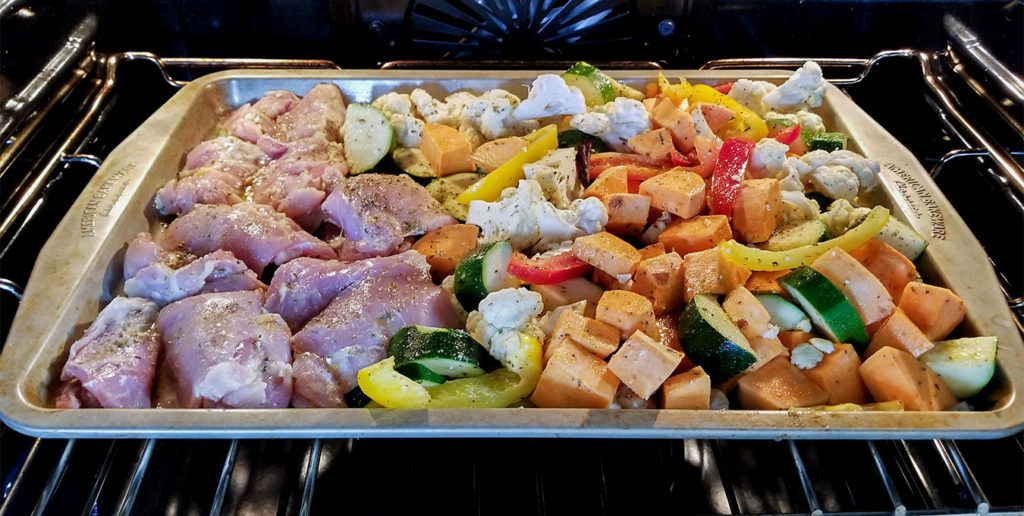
(746, 124)
(675, 92)
(390, 388)
(496, 389)
(761, 260)
(489, 188)
(879, 406)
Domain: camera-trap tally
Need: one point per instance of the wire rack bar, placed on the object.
(101, 478)
(19, 479)
(950, 453)
(55, 477)
(312, 470)
(805, 480)
(898, 508)
(225, 478)
(128, 500)
(865, 65)
(12, 288)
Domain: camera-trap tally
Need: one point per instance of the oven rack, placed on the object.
(121, 476)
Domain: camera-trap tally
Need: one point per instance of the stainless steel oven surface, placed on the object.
(77, 78)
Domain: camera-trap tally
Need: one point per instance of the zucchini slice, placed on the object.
(482, 271)
(420, 374)
(596, 86)
(712, 341)
(442, 351)
(799, 235)
(445, 189)
(368, 138)
(827, 142)
(966, 365)
(413, 161)
(827, 307)
(903, 238)
(784, 314)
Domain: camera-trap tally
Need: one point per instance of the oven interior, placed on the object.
(77, 77)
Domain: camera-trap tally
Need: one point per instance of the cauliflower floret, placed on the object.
(796, 207)
(496, 323)
(398, 108)
(548, 320)
(835, 181)
(841, 216)
(750, 94)
(700, 125)
(653, 231)
(523, 217)
(805, 356)
(866, 169)
(791, 175)
(482, 118)
(615, 122)
(550, 96)
(815, 159)
(809, 121)
(768, 158)
(430, 109)
(825, 346)
(804, 89)
(556, 174)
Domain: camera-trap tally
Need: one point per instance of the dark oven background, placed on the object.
(67, 142)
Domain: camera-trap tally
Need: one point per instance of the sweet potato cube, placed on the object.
(447, 150)
(688, 390)
(766, 282)
(656, 249)
(747, 312)
(758, 209)
(599, 338)
(679, 123)
(867, 295)
(779, 385)
(627, 311)
(697, 234)
(445, 247)
(716, 115)
(893, 269)
(643, 364)
(627, 213)
(569, 292)
(901, 333)
(607, 252)
(839, 374)
(660, 279)
(609, 282)
(893, 374)
(575, 378)
(656, 144)
(612, 180)
(495, 153)
(710, 272)
(677, 191)
(552, 345)
(766, 349)
(794, 338)
(935, 310)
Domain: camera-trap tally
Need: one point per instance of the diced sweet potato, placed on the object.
(651, 251)
(689, 390)
(709, 272)
(893, 269)
(495, 153)
(574, 378)
(609, 282)
(679, 123)
(627, 311)
(758, 209)
(716, 115)
(766, 282)
(677, 191)
(644, 364)
(747, 312)
(838, 373)
(794, 338)
(607, 252)
(612, 181)
(901, 333)
(779, 385)
(568, 292)
(649, 104)
(656, 144)
(686, 236)
(867, 295)
(766, 349)
(445, 247)
(627, 213)
(893, 374)
(447, 150)
(552, 345)
(935, 310)
(599, 338)
(660, 279)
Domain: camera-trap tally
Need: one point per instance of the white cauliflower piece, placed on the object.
(550, 96)
(615, 122)
(841, 216)
(796, 207)
(791, 174)
(815, 159)
(496, 323)
(480, 118)
(805, 356)
(768, 158)
(809, 121)
(430, 109)
(656, 228)
(700, 125)
(548, 320)
(835, 181)
(523, 217)
(398, 108)
(750, 94)
(823, 345)
(804, 89)
(867, 170)
(556, 174)
(491, 114)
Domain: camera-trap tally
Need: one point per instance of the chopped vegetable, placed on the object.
(725, 181)
(549, 270)
(508, 175)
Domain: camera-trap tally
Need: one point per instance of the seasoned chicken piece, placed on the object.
(302, 174)
(251, 121)
(320, 112)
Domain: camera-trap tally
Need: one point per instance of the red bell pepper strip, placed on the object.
(602, 160)
(725, 87)
(725, 181)
(547, 271)
(681, 160)
(788, 135)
